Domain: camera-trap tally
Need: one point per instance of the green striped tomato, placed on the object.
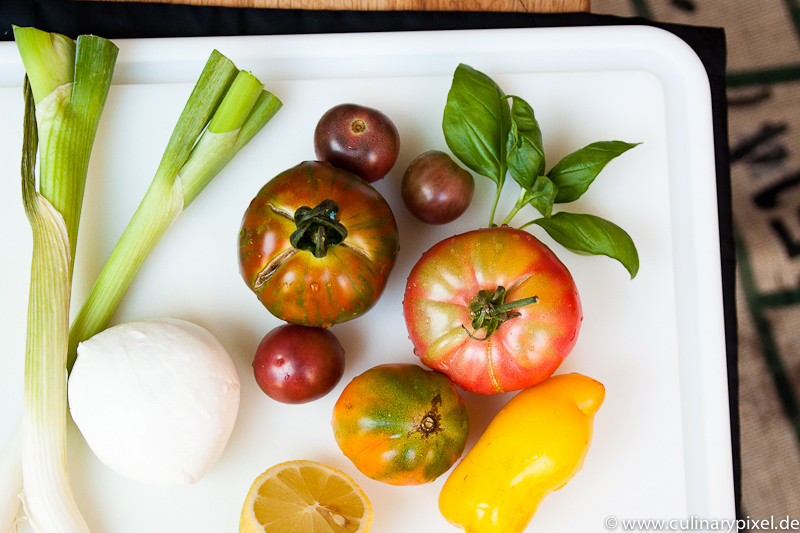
(401, 424)
(317, 245)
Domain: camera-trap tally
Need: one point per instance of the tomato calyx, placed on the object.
(489, 310)
(318, 228)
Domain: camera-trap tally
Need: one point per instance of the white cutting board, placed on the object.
(661, 446)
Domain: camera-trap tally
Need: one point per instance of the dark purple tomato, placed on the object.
(358, 139)
(435, 189)
(298, 364)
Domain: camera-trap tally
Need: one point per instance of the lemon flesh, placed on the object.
(305, 497)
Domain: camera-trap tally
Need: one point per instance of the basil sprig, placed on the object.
(525, 151)
(476, 124)
(573, 174)
(494, 134)
(591, 235)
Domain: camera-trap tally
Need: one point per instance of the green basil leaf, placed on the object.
(591, 235)
(525, 150)
(573, 174)
(476, 123)
(542, 195)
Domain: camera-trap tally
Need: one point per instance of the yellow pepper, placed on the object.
(534, 445)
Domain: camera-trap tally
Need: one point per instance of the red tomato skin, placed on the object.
(304, 289)
(524, 350)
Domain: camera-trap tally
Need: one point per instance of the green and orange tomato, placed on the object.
(493, 308)
(401, 424)
(317, 245)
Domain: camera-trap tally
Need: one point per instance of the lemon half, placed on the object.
(305, 497)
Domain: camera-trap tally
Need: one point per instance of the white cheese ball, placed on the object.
(155, 400)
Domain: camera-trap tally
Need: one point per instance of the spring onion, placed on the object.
(10, 479)
(68, 84)
(46, 495)
(225, 110)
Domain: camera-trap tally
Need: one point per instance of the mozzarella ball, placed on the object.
(155, 400)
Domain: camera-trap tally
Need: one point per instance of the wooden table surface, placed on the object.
(524, 6)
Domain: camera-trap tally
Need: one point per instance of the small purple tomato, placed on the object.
(298, 364)
(358, 139)
(435, 189)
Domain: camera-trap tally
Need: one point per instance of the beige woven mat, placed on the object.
(763, 38)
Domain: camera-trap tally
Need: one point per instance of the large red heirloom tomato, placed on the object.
(401, 424)
(494, 309)
(317, 245)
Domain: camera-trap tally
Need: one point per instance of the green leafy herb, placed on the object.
(541, 195)
(592, 235)
(476, 124)
(573, 174)
(492, 134)
(525, 148)
(526, 162)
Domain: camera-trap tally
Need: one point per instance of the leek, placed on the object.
(65, 92)
(10, 479)
(46, 494)
(225, 110)
(70, 84)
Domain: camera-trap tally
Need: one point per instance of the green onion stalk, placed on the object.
(46, 494)
(65, 91)
(225, 110)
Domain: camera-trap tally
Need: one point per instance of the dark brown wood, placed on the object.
(524, 6)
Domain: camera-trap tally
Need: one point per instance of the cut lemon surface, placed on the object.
(305, 497)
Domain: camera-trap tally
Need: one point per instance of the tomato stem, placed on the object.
(508, 306)
(318, 229)
(519, 205)
(489, 310)
(494, 205)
